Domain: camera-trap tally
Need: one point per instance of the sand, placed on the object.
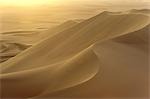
(21, 40)
(102, 57)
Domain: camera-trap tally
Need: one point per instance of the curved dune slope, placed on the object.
(59, 28)
(141, 11)
(79, 66)
(126, 73)
(67, 59)
(12, 41)
(9, 49)
(138, 39)
(123, 73)
(70, 42)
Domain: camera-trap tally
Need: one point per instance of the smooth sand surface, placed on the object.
(12, 43)
(105, 56)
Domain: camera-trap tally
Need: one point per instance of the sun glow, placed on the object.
(28, 2)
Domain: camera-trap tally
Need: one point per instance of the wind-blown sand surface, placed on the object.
(104, 56)
(20, 40)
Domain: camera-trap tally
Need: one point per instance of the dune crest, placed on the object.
(79, 66)
(68, 56)
(11, 40)
(100, 27)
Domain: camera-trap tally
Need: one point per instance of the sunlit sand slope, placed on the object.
(68, 59)
(12, 43)
(123, 71)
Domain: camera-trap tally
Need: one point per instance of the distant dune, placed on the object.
(142, 11)
(101, 57)
(11, 41)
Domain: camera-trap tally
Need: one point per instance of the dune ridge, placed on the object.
(83, 31)
(15, 39)
(8, 50)
(68, 51)
(124, 52)
(60, 71)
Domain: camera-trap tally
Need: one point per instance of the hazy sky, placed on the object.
(28, 14)
(67, 2)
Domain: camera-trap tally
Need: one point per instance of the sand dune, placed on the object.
(117, 76)
(78, 63)
(12, 41)
(10, 49)
(31, 37)
(142, 11)
(59, 28)
(138, 39)
(119, 70)
(100, 27)
(68, 60)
